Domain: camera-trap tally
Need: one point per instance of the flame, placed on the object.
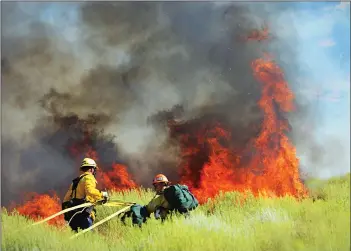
(117, 179)
(41, 206)
(209, 167)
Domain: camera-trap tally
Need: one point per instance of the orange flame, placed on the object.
(118, 179)
(273, 169)
(42, 206)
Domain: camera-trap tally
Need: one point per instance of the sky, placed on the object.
(323, 31)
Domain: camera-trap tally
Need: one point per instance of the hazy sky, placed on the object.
(323, 32)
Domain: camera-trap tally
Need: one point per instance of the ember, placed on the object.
(257, 34)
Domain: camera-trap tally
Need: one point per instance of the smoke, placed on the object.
(122, 69)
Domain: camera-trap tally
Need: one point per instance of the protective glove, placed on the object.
(157, 214)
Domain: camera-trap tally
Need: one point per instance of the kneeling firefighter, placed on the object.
(169, 198)
(83, 189)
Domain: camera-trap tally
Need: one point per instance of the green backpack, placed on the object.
(180, 198)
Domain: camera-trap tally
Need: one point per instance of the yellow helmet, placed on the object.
(89, 162)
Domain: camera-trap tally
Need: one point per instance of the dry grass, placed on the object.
(319, 223)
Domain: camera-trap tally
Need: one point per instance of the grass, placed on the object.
(319, 223)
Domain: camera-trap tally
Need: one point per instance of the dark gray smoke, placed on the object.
(118, 67)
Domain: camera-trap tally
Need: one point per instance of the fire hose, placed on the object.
(112, 203)
(62, 212)
(102, 221)
(109, 203)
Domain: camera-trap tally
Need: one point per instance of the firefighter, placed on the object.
(170, 198)
(83, 189)
(159, 205)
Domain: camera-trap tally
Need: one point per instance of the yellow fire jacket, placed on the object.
(158, 201)
(86, 189)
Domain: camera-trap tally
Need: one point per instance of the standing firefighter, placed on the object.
(169, 198)
(82, 190)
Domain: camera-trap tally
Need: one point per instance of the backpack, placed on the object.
(138, 214)
(180, 198)
(75, 202)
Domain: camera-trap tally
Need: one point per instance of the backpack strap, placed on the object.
(75, 185)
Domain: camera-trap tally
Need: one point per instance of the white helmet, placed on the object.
(88, 162)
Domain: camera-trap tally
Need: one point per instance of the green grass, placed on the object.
(319, 223)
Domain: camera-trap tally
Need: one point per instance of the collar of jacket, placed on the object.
(89, 173)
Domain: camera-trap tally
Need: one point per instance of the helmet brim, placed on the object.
(91, 166)
(158, 182)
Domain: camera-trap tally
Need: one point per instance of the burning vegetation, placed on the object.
(211, 164)
(215, 152)
(40, 206)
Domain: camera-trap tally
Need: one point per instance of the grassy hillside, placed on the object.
(320, 223)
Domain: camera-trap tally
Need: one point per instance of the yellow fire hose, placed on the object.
(117, 204)
(55, 215)
(102, 221)
(88, 204)
(110, 203)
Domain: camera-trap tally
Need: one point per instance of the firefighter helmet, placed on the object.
(89, 162)
(160, 178)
